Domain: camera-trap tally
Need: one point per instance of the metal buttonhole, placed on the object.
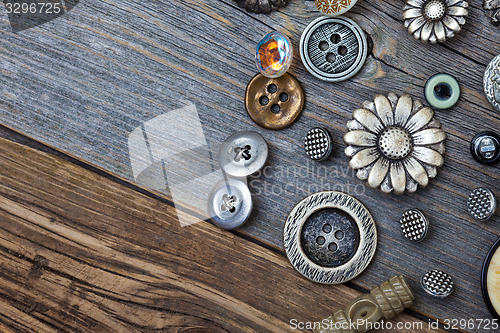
(230, 204)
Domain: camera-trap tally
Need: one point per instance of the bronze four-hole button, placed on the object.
(274, 103)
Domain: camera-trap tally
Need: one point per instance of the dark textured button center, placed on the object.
(330, 237)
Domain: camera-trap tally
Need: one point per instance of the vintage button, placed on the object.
(414, 225)
(485, 147)
(318, 144)
(482, 203)
(333, 49)
(335, 7)
(274, 55)
(274, 103)
(492, 82)
(330, 237)
(434, 20)
(437, 283)
(230, 204)
(243, 154)
(442, 91)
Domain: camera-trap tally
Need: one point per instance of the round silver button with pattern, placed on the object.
(492, 82)
(482, 203)
(414, 225)
(333, 49)
(330, 237)
(243, 154)
(318, 144)
(230, 203)
(437, 283)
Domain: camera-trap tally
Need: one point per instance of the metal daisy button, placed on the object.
(492, 82)
(395, 143)
(230, 204)
(434, 20)
(243, 154)
(333, 49)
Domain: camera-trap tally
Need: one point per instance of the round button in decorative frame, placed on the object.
(485, 147)
(442, 91)
(274, 103)
(243, 154)
(492, 82)
(330, 237)
(333, 49)
(230, 204)
(334, 7)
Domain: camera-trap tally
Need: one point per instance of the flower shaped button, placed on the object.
(395, 143)
(434, 20)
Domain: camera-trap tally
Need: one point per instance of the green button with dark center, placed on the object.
(442, 91)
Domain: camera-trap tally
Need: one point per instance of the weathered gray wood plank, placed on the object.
(84, 82)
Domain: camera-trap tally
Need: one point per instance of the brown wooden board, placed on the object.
(82, 83)
(80, 252)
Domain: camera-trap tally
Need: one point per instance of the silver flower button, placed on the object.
(434, 20)
(395, 143)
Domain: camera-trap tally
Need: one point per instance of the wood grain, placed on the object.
(84, 82)
(81, 253)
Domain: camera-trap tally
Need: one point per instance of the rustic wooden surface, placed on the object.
(83, 82)
(71, 260)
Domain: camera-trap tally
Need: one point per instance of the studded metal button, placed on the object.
(437, 283)
(492, 82)
(274, 103)
(230, 204)
(333, 49)
(485, 147)
(330, 237)
(482, 203)
(318, 144)
(442, 91)
(243, 154)
(414, 225)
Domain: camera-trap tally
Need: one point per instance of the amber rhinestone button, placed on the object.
(274, 103)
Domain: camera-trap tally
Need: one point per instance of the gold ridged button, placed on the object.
(274, 103)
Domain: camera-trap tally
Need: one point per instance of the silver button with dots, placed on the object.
(482, 203)
(414, 225)
(318, 144)
(437, 283)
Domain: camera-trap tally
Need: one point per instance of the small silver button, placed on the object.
(230, 204)
(482, 203)
(437, 283)
(485, 147)
(414, 225)
(318, 144)
(243, 154)
(333, 49)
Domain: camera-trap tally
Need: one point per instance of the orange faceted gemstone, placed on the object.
(270, 55)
